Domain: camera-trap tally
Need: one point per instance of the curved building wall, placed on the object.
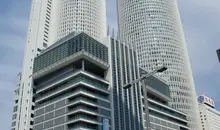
(87, 16)
(154, 28)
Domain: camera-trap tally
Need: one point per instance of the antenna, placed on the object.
(113, 32)
(108, 30)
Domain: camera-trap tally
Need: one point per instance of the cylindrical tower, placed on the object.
(154, 28)
(87, 16)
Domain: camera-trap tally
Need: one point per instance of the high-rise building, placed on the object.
(78, 84)
(79, 16)
(37, 40)
(127, 105)
(154, 29)
(209, 116)
(72, 88)
(49, 21)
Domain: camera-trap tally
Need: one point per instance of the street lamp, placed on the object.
(159, 70)
(145, 76)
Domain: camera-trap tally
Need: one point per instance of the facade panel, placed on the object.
(127, 108)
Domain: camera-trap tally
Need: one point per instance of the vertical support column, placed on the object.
(147, 123)
(65, 127)
(83, 65)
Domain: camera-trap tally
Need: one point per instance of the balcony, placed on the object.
(79, 88)
(83, 118)
(70, 75)
(64, 76)
(82, 109)
(75, 82)
(167, 110)
(82, 126)
(82, 99)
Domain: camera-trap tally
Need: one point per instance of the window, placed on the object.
(31, 122)
(14, 116)
(45, 40)
(44, 45)
(38, 49)
(32, 107)
(13, 124)
(15, 108)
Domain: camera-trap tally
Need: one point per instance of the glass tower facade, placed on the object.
(154, 29)
(127, 105)
(79, 16)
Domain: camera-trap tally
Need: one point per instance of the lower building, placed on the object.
(72, 90)
(210, 117)
(78, 85)
(161, 115)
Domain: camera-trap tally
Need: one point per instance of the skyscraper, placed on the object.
(49, 21)
(127, 103)
(154, 29)
(79, 16)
